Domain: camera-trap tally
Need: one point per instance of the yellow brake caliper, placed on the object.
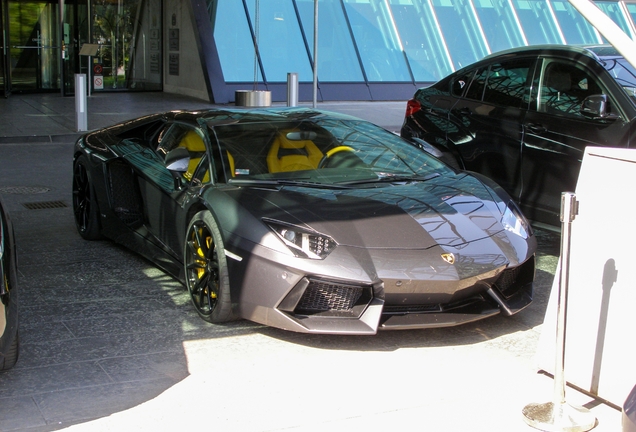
(201, 271)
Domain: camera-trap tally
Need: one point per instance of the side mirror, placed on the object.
(596, 107)
(177, 160)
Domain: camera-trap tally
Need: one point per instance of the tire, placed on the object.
(11, 356)
(206, 272)
(85, 206)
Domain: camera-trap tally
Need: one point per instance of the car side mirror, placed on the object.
(596, 107)
(177, 160)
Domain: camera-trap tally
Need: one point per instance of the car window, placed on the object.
(476, 89)
(564, 87)
(190, 138)
(504, 83)
(507, 83)
(460, 83)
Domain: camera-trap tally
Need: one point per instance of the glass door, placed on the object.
(5, 82)
(34, 51)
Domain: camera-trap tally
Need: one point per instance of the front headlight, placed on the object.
(303, 243)
(515, 222)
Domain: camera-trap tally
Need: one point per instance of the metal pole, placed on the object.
(81, 111)
(292, 89)
(315, 101)
(558, 415)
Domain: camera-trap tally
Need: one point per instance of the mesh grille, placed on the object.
(508, 279)
(322, 296)
(44, 205)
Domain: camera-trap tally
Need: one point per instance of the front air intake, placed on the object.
(328, 298)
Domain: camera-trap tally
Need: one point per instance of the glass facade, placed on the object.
(366, 48)
(389, 41)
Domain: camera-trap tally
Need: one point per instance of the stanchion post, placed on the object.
(292, 89)
(81, 110)
(558, 415)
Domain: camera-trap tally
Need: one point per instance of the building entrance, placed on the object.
(42, 39)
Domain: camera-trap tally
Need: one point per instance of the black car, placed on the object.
(523, 117)
(305, 220)
(9, 339)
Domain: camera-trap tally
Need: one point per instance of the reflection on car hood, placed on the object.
(412, 215)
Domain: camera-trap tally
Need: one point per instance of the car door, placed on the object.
(556, 133)
(490, 117)
(163, 194)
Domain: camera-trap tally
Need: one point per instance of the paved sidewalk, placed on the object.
(52, 118)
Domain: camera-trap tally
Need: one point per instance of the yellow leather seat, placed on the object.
(297, 155)
(196, 147)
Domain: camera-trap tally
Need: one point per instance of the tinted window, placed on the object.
(460, 83)
(476, 89)
(504, 83)
(564, 87)
(507, 83)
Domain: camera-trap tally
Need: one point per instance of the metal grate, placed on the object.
(23, 190)
(320, 296)
(43, 205)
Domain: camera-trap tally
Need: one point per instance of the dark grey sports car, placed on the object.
(305, 220)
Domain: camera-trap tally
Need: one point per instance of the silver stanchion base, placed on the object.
(561, 417)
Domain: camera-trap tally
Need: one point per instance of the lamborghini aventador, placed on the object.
(304, 220)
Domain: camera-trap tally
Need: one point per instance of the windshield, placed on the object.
(319, 151)
(623, 72)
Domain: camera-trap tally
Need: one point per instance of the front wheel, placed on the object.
(85, 206)
(206, 271)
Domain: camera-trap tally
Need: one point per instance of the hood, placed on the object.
(449, 211)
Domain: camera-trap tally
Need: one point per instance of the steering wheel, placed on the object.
(332, 152)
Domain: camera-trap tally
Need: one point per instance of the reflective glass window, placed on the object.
(476, 89)
(564, 87)
(507, 83)
(613, 10)
(537, 21)
(377, 40)
(280, 42)
(631, 9)
(461, 31)
(499, 23)
(575, 28)
(337, 58)
(421, 39)
(234, 41)
(459, 83)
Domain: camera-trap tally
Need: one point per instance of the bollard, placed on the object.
(558, 415)
(292, 89)
(81, 110)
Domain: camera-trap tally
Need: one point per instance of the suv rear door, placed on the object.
(489, 120)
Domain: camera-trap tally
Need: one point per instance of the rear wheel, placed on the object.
(206, 271)
(85, 206)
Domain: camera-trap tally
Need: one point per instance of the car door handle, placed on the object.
(536, 128)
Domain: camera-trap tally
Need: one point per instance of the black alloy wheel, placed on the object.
(85, 206)
(206, 270)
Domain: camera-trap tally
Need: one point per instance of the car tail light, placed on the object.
(412, 106)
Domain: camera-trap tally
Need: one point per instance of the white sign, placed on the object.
(602, 288)
(98, 82)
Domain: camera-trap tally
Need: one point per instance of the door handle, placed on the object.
(537, 128)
